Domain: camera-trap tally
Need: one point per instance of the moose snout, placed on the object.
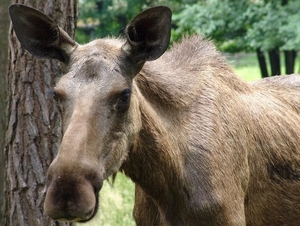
(72, 195)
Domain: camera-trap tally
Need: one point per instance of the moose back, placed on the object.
(202, 146)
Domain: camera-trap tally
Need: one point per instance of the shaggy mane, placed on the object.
(188, 67)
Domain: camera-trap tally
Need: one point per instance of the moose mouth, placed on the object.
(95, 210)
(69, 217)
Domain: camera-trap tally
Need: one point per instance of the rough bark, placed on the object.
(4, 24)
(33, 131)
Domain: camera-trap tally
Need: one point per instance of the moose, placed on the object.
(202, 146)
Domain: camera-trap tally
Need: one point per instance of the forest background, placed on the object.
(268, 28)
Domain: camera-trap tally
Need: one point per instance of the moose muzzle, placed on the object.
(72, 193)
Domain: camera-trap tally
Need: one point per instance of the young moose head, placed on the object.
(97, 100)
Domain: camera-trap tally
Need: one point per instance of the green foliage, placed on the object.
(236, 25)
(224, 21)
(112, 16)
(276, 25)
(241, 25)
(290, 32)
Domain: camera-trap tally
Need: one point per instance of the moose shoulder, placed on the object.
(202, 146)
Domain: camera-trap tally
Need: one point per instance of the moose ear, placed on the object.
(39, 34)
(148, 34)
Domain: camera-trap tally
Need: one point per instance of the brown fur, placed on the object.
(202, 146)
(246, 160)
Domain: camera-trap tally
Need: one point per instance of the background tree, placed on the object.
(4, 23)
(33, 130)
(102, 18)
(266, 27)
(245, 25)
(274, 32)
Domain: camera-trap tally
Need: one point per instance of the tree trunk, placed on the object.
(290, 57)
(262, 63)
(274, 56)
(33, 131)
(4, 22)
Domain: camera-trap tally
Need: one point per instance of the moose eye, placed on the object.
(55, 96)
(123, 103)
(125, 96)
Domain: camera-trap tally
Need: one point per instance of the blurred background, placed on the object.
(260, 33)
(260, 38)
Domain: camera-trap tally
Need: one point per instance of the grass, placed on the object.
(245, 66)
(116, 202)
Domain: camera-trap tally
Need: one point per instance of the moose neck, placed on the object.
(151, 162)
(159, 156)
